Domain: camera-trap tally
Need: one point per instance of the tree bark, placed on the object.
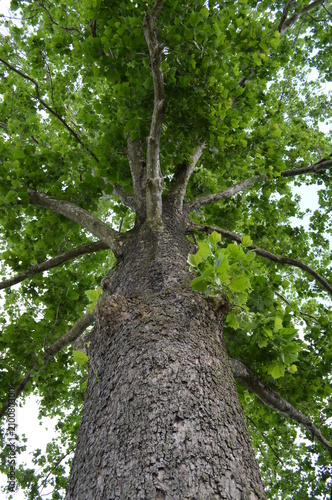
(162, 419)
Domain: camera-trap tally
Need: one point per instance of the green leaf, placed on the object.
(194, 259)
(262, 342)
(80, 358)
(93, 296)
(214, 237)
(276, 369)
(204, 249)
(239, 284)
(277, 324)
(246, 241)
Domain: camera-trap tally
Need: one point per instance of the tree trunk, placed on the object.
(162, 419)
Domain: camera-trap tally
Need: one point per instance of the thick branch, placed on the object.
(77, 214)
(275, 401)
(79, 327)
(221, 195)
(154, 176)
(285, 14)
(137, 165)
(56, 261)
(264, 253)
(49, 109)
(285, 24)
(321, 165)
(181, 179)
(126, 198)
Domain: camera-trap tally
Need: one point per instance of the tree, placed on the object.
(149, 156)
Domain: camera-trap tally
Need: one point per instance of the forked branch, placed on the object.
(263, 253)
(271, 398)
(77, 214)
(56, 261)
(79, 327)
(154, 181)
(285, 23)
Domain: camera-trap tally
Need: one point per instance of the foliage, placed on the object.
(75, 80)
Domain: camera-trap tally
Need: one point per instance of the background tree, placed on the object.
(124, 127)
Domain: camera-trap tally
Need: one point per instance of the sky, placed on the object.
(39, 433)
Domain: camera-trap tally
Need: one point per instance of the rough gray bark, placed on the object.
(161, 419)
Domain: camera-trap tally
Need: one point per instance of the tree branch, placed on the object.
(321, 165)
(263, 253)
(56, 261)
(285, 14)
(275, 401)
(49, 109)
(285, 24)
(240, 186)
(137, 165)
(181, 179)
(154, 180)
(126, 198)
(79, 327)
(221, 195)
(77, 214)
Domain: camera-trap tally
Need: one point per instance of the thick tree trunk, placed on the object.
(162, 418)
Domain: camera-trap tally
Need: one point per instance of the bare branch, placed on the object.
(181, 179)
(49, 109)
(56, 261)
(79, 327)
(154, 181)
(77, 214)
(275, 401)
(221, 195)
(286, 24)
(263, 253)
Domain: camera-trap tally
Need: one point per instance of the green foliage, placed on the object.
(100, 85)
(93, 296)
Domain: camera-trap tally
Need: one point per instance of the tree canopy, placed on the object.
(241, 120)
